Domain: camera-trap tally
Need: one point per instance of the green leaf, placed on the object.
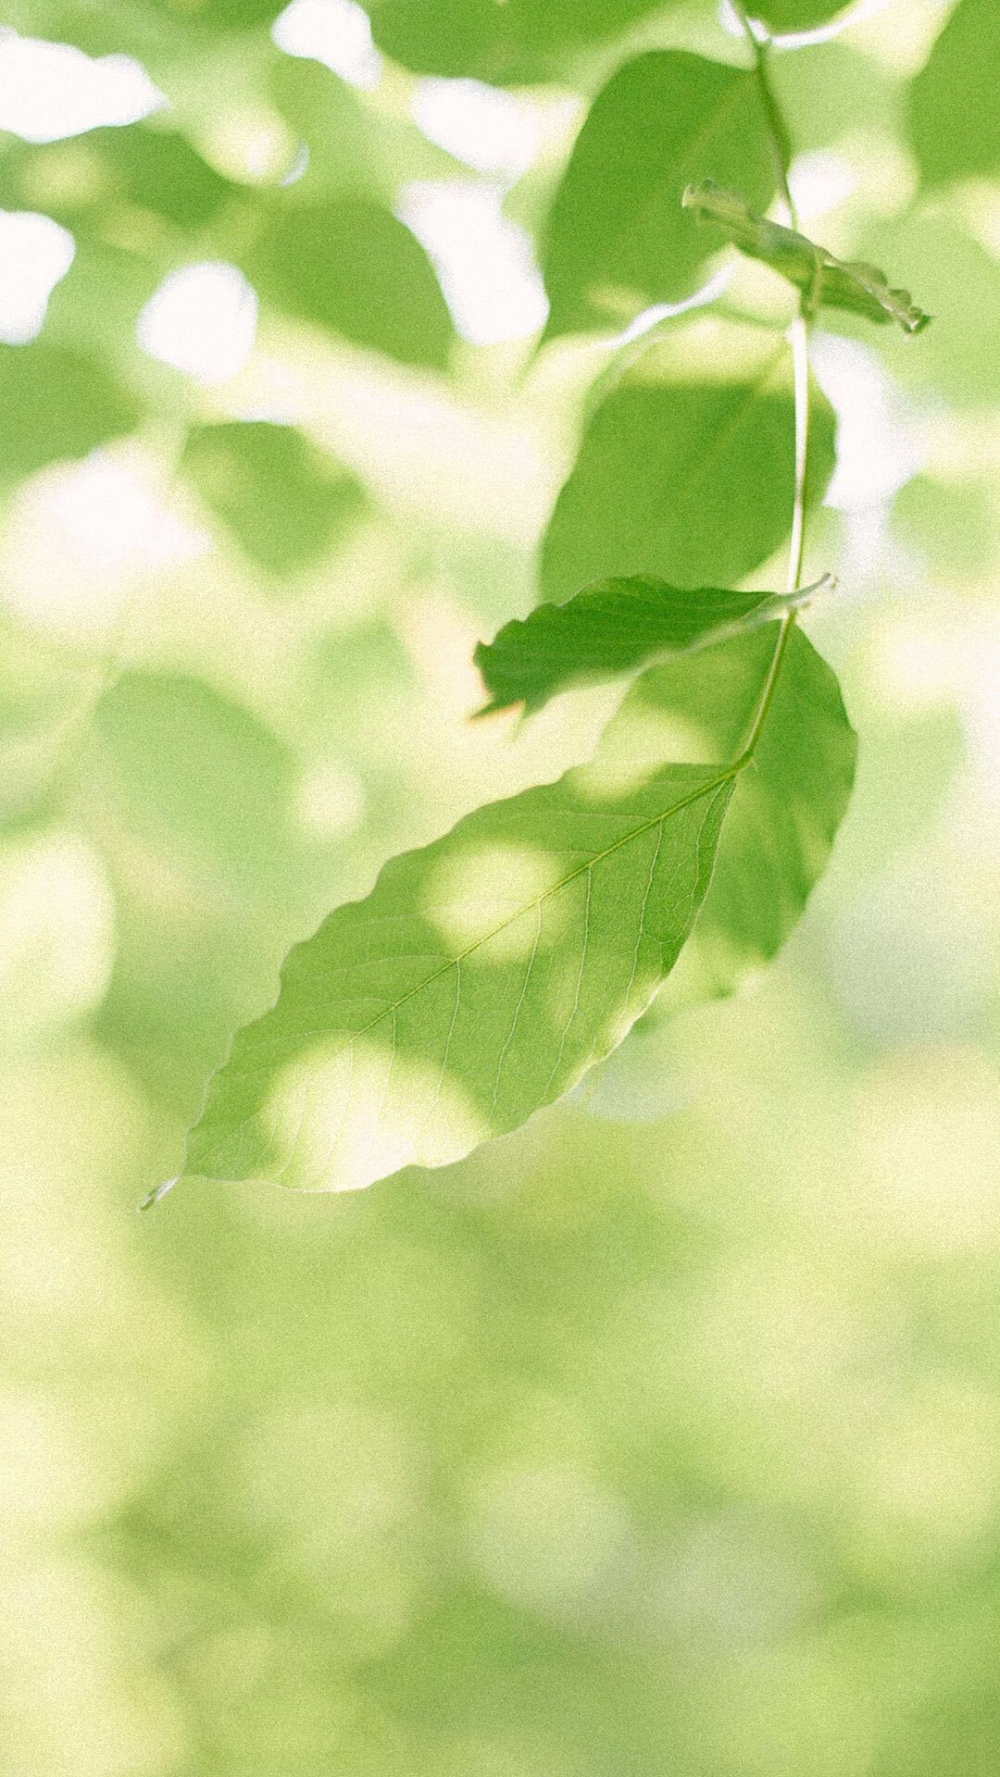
(353, 147)
(56, 403)
(958, 356)
(692, 481)
(79, 180)
(350, 265)
(826, 282)
(954, 115)
(284, 500)
(618, 239)
(221, 15)
(785, 810)
(478, 982)
(521, 40)
(196, 779)
(607, 630)
(795, 15)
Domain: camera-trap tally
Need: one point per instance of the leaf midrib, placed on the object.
(707, 789)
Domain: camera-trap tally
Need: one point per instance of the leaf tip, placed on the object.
(153, 1197)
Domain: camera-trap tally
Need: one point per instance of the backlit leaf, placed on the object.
(618, 238)
(607, 630)
(478, 982)
(826, 282)
(690, 481)
(784, 811)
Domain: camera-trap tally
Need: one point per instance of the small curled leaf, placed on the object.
(825, 281)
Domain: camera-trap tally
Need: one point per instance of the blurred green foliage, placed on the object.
(662, 1435)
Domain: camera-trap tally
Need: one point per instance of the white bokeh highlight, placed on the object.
(485, 262)
(202, 320)
(35, 253)
(334, 32)
(877, 450)
(493, 131)
(52, 90)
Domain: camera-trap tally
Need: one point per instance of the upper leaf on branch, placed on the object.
(618, 239)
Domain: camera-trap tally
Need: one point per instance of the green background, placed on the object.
(662, 1436)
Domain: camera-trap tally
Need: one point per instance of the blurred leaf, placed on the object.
(225, 14)
(480, 980)
(784, 812)
(603, 632)
(522, 40)
(951, 523)
(333, 122)
(618, 238)
(954, 116)
(691, 481)
(150, 168)
(826, 282)
(829, 91)
(353, 146)
(350, 265)
(193, 801)
(283, 499)
(197, 778)
(44, 701)
(56, 403)
(56, 940)
(960, 281)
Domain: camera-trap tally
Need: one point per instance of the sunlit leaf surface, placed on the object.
(784, 812)
(480, 980)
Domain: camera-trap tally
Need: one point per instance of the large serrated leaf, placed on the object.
(785, 810)
(618, 239)
(954, 115)
(690, 481)
(478, 982)
(824, 280)
(606, 630)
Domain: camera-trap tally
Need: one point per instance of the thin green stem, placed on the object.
(799, 339)
(800, 362)
(781, 147)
